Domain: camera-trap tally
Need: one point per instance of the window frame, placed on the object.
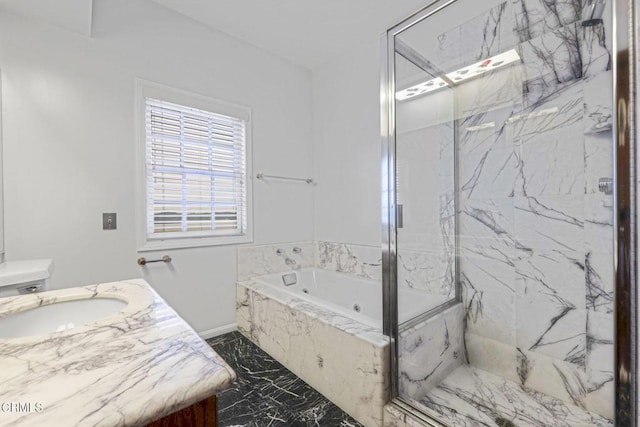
(146, 89)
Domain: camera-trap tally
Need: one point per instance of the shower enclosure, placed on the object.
(508, 202)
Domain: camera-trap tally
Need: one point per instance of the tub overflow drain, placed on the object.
(356, 307)
(305, 290)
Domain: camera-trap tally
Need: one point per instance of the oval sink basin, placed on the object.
(58, 316)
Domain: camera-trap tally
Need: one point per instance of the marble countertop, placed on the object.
(129, 368)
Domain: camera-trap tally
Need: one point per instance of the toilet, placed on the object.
(24, 277)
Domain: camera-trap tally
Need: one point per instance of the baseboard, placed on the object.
(210, 333)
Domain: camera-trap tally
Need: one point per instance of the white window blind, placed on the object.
(195, 172)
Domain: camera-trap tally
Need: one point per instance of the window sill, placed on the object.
(184, 243)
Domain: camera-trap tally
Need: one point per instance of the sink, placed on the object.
(58, 316)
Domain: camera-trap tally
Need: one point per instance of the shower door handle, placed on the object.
(399, 217)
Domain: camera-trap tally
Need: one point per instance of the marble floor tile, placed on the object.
(268, 394)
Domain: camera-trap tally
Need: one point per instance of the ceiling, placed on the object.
(306, 32)
(74, 15)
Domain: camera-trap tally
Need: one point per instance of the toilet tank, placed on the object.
(24, 277)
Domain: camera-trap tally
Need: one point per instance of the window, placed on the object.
(195, 186)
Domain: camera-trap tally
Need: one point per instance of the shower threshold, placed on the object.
(472, 397)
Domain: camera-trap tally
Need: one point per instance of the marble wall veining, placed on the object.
(429, 351)
(536, 235)
(260, 260)
(427, 269)
(356, 260)
(424, 269)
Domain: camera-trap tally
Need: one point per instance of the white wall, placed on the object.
(69, 147)
(347, 147)
(347, 141)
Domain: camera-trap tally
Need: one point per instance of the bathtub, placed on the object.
(315, 332)
(353, 297)
(325, 327)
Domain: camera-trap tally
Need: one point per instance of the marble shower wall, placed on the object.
(536, 236)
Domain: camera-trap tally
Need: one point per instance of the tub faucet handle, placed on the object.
(291, 263)
(297, 250)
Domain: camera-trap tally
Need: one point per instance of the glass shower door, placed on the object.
(425, 182)
(429, 313)
(502, 137)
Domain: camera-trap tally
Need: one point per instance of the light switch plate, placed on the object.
(109, 221)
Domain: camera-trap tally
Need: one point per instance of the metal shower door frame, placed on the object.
(624, 146)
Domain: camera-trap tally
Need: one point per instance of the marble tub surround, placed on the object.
(371, 334)
(357, 260)
(421, 269)
(427, 270)
(319, 346)
(129, 368)
(265, 259)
